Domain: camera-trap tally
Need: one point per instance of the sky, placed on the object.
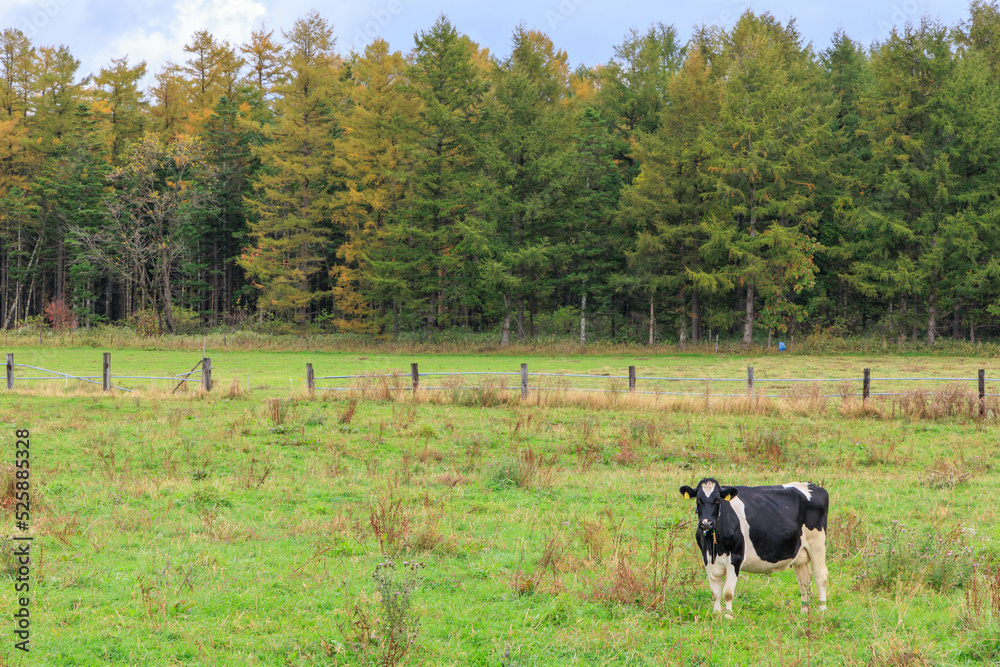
(588, 30)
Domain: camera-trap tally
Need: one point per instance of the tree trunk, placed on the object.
(168, 310)
(931, 319)
(583, 319)
(61, 270)
(695, 317)
(652, 319)
(520, 319)
(956, 323)
(505, 329)
(748, 325)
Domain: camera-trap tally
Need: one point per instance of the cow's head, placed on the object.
(710, 496)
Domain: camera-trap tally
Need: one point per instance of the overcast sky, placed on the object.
(156, 30)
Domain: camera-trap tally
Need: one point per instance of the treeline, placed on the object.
(743, 183)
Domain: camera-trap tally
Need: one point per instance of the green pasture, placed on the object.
(259, 529)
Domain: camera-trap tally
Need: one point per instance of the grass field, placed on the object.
(268, 528)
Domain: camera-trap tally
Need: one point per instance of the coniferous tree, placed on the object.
(667, 201)
(529, 161)
(764, 161)
(372, 165)
(426, 265)
(910, 179)
(120, 104)
(290, 228)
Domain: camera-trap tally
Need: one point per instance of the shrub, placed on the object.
(60, 315)
(145, 323)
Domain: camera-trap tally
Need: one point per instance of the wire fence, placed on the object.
(106, 378)
(749, 386)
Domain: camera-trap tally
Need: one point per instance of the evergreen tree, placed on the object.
(911, 179)
(529, 160)
(587, 252)
(846, 80)
(229, 143)
(70, 191)
(426, 265)
(667, 201)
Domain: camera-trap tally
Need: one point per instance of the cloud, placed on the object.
(162, 38)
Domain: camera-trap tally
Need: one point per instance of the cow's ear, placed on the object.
(728, 493)
(688, 492)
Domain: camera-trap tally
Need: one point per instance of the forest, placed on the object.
(742, 183)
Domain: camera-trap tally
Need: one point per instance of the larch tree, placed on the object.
(667, 202)
(911, 179)
(290, 228)
(633, 87)
(529, 162)
(763, 162)
(120, 104)
(371, 165)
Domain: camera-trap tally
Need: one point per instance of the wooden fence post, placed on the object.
(524, 380)
(206, 374)
(10, 370)
(310, 380)
(415, 375)
(866, 386)
(749, 381)
(631, 379)
(106, 372)
(982, 392)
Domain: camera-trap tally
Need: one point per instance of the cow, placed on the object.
(761, 529)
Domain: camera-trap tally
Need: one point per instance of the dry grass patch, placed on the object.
(8, 480)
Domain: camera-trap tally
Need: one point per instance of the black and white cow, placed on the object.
(761, 529)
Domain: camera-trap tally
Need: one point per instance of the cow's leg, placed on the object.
(805, 579)
(729, 592)
(815, 542)
(716, 574)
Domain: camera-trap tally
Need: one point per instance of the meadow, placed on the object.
(263, 526)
